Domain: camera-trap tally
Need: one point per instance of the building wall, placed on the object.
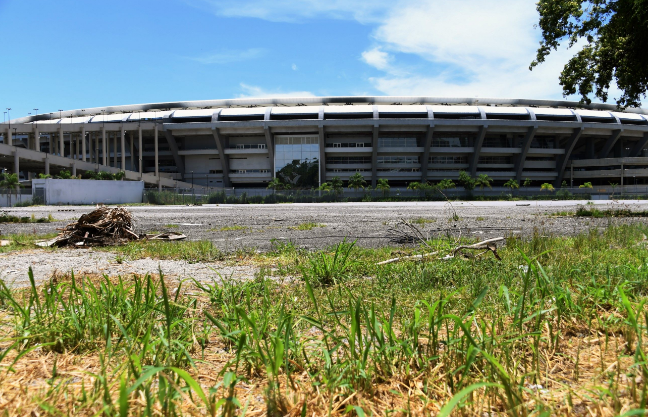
(88, 191)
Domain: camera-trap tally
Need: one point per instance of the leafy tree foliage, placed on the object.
(300, 174)
(547, 187)
(482, 181)
(616, 36)
(512, 184)
(383, 185)
(446, 184)
(466, 181)
(357, 181)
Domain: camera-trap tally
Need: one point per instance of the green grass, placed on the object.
(233, 228)
(422, 221)
(6, 218)
(171, 226)
(594, 212)
(307, 226)
(556, 327)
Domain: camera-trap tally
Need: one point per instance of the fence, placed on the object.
(13, 197)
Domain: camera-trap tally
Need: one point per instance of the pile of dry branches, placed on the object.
(101, 227)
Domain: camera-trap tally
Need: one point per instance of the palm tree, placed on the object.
(446, 184)
(275, 185)
(11, 182)
(357, 181)
(547, 187)
(383, 185)
(325, 187)
(512, 184)
(482, 181)
(414, 185)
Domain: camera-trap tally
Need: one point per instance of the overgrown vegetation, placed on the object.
(557, 327)
(8, 218)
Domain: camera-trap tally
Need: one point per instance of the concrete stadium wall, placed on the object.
(89, 191)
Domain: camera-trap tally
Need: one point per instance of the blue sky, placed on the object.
(68, 54)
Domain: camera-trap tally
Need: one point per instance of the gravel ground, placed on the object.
(258, 226)
(14, 265)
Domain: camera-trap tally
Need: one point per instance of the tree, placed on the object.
(276, 184)
(357, 181)
(466, 181)
(613, 185)
(526, 183)
(414, 185)
(44, 176)
(325, 187)
(383, 185)
(482, 181)
(616, 36)
(547, 187)
(512, 184)
(337, 184)
(586, 185)
(446, 184)
(12, 183)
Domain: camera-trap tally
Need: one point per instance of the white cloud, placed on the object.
(294, 67)
(296, 10)
(376, 58)
(226, 57)
(258, 92)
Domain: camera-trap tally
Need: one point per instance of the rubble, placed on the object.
(104, 226)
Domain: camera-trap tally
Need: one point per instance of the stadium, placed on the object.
(307, 141)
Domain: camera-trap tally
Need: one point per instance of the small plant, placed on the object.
(586, 185)
(171, 226)
(233, 228)
(307, 226)
(326, 269)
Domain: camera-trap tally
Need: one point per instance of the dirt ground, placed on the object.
(233, 227)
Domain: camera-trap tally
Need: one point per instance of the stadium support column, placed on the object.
(636, 150)
(47, 170)
(569, 147)
(61, 141)
(609, 144)
(103, 145)
(173, 146)
(224, 159)
(479, 141)
(322, 151)
(426, 153)
(16, 162)
(139, 151)
(526, 145)
(122, 149)
(9, 137)
(83, 144)
(374, 156)
(114, 136)
(131, 147)
(270, 145)
(157, 153)
(36, 138)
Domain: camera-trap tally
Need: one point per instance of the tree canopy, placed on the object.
(615, 33)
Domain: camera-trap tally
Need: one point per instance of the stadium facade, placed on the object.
(307, 141)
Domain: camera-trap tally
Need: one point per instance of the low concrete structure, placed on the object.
(53, 192)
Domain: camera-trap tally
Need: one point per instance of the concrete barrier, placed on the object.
(55, 192)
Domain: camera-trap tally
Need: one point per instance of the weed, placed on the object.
(307, 226)
(171, 226)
